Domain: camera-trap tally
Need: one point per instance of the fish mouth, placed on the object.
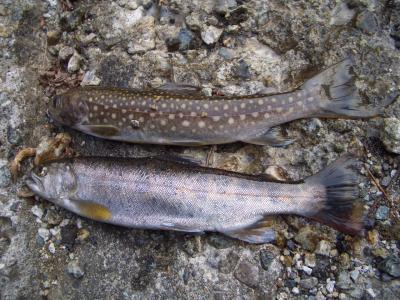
(35, 184)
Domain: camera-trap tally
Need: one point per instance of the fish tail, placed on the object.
(339, 207)
(340, 97)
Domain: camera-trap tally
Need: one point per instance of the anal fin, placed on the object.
(273, 137)
(259, 232)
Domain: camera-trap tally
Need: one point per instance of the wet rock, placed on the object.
(247, 273)
(5, 174)
(74, 63)
(391, 266)
(224, 6)
(323, 248)
(390, 134)
(308, 283)
(211, 34)
(196, 20)
(65, 53)
(330, 286)
(75, 270)
(226, 53)
(382, 213)
(242, 70)
(367, 22)
(52, 217)
(143, 37)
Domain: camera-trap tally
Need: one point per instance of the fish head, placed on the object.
(68, 109)
(56, 182)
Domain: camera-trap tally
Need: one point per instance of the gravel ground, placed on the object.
(224, 46)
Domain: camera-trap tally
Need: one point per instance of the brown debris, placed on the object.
(16, 163)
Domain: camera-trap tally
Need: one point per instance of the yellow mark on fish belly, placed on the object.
(94, 211)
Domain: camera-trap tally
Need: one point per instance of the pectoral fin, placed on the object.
(273, 137)
(103, 130)
(179, 227)
(258, 233)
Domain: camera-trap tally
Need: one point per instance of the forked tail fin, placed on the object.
(339, 208)
(339, 96)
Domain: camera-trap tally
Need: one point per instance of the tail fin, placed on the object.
(340, 208)
(340, 97)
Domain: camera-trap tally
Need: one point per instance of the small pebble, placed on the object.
(74, 63)
(211, 35)
(330, 286)
(307, 270)
(37, 211)
(65, 53)
(382, 213)
(295, 290)
(308, 283)
(323, 248)
(44, 233)
(52, 248)
(5, 174)
(75, 270)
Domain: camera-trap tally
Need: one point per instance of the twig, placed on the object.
(383, 191)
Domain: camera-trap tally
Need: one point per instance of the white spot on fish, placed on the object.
(113, 116)
(173, 128)
(95, 108)
(266, 115)
(183, 106)
(202, 124)
(231, 121)
(242, 105)
(193, 114)
(226, 106)
(141, 119)
(273, 100)
(185, 123)
(163, 122)
(216, 118)
(206, 106)
(171, 116)
(242, 117)
(152, 115)
(123, 111)
(279, 109)
(290, 99)
(310, 99)
(255, 114)
(260, 101)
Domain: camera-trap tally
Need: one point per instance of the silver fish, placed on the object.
(177, 117)
(158, 194)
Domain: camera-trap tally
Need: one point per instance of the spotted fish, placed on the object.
(177, 117)
(156, 194)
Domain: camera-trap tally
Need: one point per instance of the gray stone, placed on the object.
(330, 286)
(53, 36)
(391, 266)
(74, 63)
(354, 275)
(44, 233)
(367, 22)
(323, 248)
(385, 181)
(90, 78)
(37, 211)
(307, 238)
(308, 283)
(343, 281)
(224, 6)
(266, 258)
(247, 273)
(382, 213)
(211, 34)
(75, 270)
(390, 134)
(5, 174)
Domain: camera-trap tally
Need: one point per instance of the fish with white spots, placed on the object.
(180, 117)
